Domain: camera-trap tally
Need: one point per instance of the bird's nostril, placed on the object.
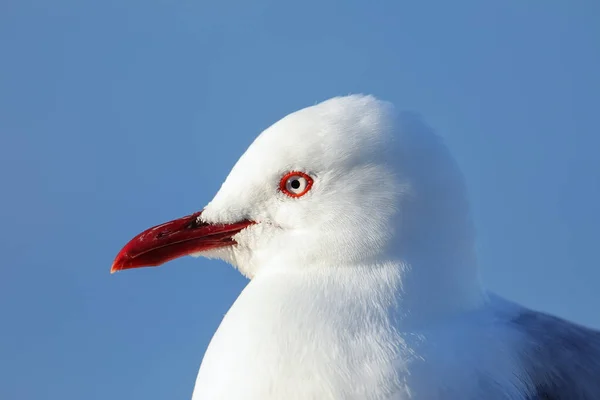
(195, 223)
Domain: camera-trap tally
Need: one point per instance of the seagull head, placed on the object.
(349, 181)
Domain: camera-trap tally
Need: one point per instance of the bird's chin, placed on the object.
(237, 255)
(222, 253)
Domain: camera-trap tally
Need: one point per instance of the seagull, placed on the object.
(352, 223)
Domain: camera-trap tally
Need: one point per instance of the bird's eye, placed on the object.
(295, 184)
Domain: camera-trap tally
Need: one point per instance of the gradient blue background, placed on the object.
(118, 115)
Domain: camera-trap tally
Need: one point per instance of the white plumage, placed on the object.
(367, 286)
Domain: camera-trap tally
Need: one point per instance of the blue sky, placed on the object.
(118, 115)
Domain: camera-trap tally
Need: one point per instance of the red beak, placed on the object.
(174, 239)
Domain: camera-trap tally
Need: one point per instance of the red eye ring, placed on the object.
(295, 184)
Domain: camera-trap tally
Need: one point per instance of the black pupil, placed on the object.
(295, 184)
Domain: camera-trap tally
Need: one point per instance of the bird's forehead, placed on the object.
(332, 133)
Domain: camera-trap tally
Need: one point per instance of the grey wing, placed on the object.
(561, 360)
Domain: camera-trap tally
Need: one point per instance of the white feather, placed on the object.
(365, 288)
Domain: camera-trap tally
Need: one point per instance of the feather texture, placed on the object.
(560, 358)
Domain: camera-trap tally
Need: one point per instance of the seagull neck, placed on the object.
(413, 293)
(433, 289)
(435, 244)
